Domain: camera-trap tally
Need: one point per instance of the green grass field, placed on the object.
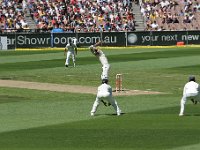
(44, 120)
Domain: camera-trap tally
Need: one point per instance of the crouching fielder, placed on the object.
(105, 92)
(191, 92)
(102, 58)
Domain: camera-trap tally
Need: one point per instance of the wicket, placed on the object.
(118, 82)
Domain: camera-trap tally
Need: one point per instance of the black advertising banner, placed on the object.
(87, 39)
(192, 37)
(114, 38)
(139, 38)
(163, 38)
(143, 38)
(61, 39)
(33, 40)
(11, 42)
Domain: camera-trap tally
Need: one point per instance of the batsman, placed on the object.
(102, 58)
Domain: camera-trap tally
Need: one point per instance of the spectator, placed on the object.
(170, 11)
(12, 14)
(164, 3)
(154, 25)
(196, 7)
(57, 29)
(175, 18)
(186, 19)
(84, 16)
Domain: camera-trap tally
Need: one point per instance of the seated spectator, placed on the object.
(154, 25)
(191, 16)
(169, 18)
(186, 19)
(164, 3)
(188, 4)
(181, 13)
(175, 18)
(57, 29)
(172, 4)
(196, 7)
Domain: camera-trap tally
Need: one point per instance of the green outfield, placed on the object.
(47, 120)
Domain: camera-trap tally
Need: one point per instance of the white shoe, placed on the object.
(119, 113)
(180, 114)
(92, 114)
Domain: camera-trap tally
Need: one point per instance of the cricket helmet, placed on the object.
(105, 81)
(192, 78)
(91, 47)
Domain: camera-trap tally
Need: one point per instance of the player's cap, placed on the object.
(105, 81)
(192, 78)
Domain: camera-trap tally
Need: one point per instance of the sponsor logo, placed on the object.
(132, 38)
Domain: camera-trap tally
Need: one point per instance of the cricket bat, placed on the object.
(98, 43)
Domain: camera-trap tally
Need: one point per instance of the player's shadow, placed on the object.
(113, 114)
(188, 115)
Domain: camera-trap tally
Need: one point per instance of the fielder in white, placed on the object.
(71, 50)
(75, 41)
(191, 92)
(102, 58)
(105, 92)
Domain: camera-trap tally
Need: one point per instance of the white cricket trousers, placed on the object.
(69, 53)
(107, 96)
(194, 96)
(105, 71)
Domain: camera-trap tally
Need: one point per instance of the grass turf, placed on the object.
(32, 119)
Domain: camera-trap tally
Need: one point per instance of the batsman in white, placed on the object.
(102, 58)
(191, 91)
(105, 92)
(71, 50)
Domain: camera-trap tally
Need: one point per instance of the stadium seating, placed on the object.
(172, 14)
(12, 15)
(71, 15)
(98, 15)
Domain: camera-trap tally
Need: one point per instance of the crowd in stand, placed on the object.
(99, 15)
(69, 15)
(12, 15)
(171, 14)
(83, 15)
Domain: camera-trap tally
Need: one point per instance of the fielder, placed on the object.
(75, 41)
(102, 58)
(71, 50)
(105, 92)
(191, 91)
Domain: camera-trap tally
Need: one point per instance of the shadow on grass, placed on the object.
(9, 99)
(190, 110)
(114, 114)
(154, 129)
